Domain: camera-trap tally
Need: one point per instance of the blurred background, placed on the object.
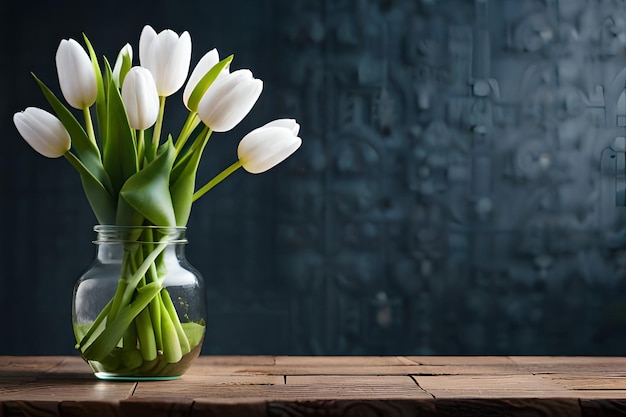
(460, 188)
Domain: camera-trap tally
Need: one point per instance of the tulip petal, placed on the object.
(229, 100)
(76, 74)
(167, 56)
(43, 132)
(266, 147)
(202, 85)
(145, 41)
(290, 124)
(140, 98)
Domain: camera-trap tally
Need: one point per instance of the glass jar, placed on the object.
(139, 310)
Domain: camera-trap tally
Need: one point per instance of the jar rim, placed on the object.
(125, 234)
(114, 227)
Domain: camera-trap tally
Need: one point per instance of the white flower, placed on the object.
(269, 145)
(203, 66)
(140, 97)
(167, 56)
(126, 51)
(229, 99)
(43, 132)
(77, 76)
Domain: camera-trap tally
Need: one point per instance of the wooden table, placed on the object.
(329, 386)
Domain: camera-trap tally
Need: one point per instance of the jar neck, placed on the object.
(107, 234)
(112, 242)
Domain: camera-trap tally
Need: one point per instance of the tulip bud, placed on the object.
(203, 66)
(229, 99)
(43, 132)
(269, 145)
(77, 76)
(124, 58)
(140, 97)
(167, 57)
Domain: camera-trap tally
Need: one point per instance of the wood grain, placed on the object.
(263, 386)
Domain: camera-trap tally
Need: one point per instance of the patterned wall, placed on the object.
(460, 190)
(460, 186)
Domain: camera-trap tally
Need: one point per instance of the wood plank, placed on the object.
(219, 408)
(333, 387)
(553, 407)
(585, 382)
(572, 364)
(100, 408)
(212, 387)
(162, 406)
(204, 367)
(499, 386)
(72, 367)
(603, 408)
(243, 360)
(12, 384)
(287, 385)
(453, 369)
(461, 360)
(27, 366)
(353, 408)
(69, 389)
(47, 408)
(273, 387)
(342, 361)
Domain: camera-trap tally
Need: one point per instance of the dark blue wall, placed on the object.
(459, 190)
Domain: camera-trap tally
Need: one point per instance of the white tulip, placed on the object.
(126, 51)
(208, 61)
(229, 99)
(167, 56)
(140, 97)
(43, 132)
(77, 76)
(269, 145)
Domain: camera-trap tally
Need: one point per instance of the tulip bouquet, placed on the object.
(132, 176)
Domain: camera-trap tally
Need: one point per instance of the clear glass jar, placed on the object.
(139, 309)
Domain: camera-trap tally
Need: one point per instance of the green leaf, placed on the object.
(148, 190)
(101, 106)
(87, 150)
(183, 182)
(100, 200)
(126, 65)
(120, 151)
(205, 82)
(126, 215)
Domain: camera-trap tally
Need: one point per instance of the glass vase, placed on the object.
(139, 309)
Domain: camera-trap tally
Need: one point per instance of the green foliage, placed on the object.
(206, 81)
(119, 151)
(147, 191)
(101, 98)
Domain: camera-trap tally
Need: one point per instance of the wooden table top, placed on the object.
(330, 386)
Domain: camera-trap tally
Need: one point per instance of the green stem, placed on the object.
(95, 325)
(172, 350)
(173, 315)
(108, 339)
(133, 280)
(122, 285)
(89, 125)
(156, 134)
(216, 180)
(140, 147)
(197, 146)
(190, 124)
(145, 333)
